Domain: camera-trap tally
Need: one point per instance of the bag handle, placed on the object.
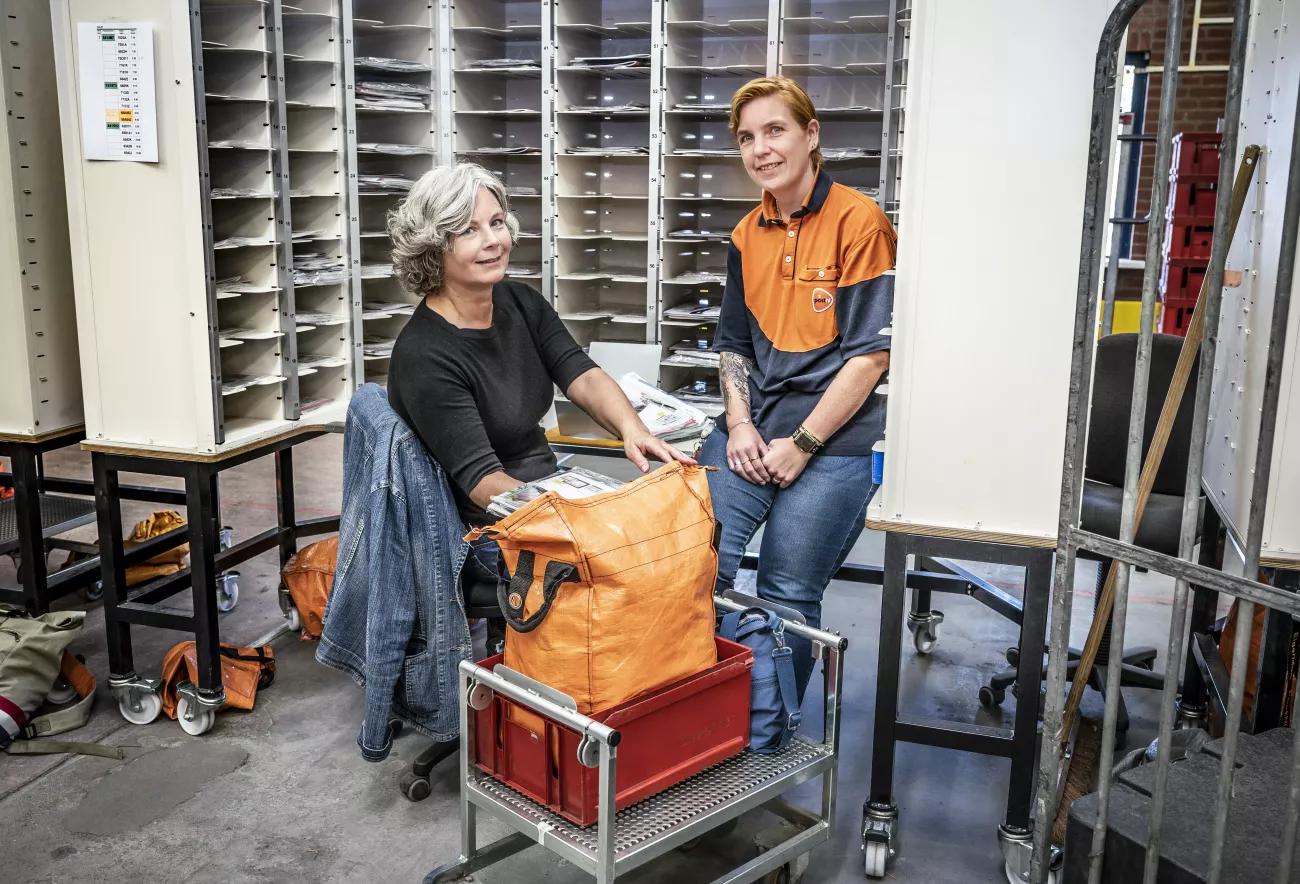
(511, 597)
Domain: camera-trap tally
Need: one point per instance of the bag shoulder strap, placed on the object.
(73, 717)
(730, 623)
(782, 657)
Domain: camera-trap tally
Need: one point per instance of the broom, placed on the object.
(1078, 767)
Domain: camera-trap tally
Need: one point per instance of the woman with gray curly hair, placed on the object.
(473, 371)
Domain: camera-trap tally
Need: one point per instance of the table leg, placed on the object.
(112, 569)
(200, 497)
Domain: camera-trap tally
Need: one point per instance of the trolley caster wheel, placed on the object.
(924, 638)
(227, 591)
(150, 709)
(194, 721)
(413, 787)
(295, 620)
(1013, 656)
(877, 854)
(783, 875)
(1012, 878)
(94, 592)
(991, 698)
(265, 680)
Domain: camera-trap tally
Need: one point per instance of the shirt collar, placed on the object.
(821, 186)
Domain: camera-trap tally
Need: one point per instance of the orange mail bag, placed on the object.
(612, 595)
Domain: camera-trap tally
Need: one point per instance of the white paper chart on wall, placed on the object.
(119, 112)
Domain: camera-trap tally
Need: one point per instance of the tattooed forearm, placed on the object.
(733, 378)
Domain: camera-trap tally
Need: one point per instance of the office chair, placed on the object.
(1103, 492)
(480, 603)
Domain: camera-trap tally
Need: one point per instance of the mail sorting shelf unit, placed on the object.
(606, 168)
(837, 49)
(327, 265)
(712, 48)
(184, 267)
(500, 115)
(392, 60)
(40, 398)
(898, 42)
(240, 80)
(41, 393)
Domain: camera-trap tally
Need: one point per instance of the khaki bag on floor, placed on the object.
(309, 576)
(612, 595)
(32, 659)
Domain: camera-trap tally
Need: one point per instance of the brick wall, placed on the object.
(1199, 106)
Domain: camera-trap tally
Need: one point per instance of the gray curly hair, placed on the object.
(438, 208)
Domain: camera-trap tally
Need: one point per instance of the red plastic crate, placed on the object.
(1188, 240)
(1181, 279)
(1196, 153)
(666, 736)
(1176, 316)
(1191, 197)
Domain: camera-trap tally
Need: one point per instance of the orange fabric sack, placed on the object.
(309, 576)
(243, 672)
(164, 563)
(611, 595)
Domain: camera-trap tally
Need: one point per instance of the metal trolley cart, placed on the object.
(621, 842)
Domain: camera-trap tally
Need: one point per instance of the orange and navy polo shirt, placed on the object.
(805, 294)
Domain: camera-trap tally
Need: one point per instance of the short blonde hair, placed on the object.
(438, 207)
(791, 94)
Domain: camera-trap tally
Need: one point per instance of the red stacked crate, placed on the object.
(1189, 226)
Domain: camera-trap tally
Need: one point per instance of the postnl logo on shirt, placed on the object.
(822, 300)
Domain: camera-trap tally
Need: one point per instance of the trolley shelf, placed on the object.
(653, 827)
(59, 513)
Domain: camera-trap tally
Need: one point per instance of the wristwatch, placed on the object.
(806, 441)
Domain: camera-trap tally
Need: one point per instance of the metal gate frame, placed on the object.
(1071, 538)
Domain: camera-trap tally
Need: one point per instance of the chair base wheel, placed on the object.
(413, 787)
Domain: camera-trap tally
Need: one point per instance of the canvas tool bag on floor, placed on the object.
(308, 577)
(612, 595)
(243, 672)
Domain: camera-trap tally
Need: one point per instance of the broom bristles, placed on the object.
(1080, 772)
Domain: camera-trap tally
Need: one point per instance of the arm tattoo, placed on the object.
(733, 377)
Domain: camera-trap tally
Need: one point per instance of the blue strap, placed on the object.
(783, 659)
(729, 624)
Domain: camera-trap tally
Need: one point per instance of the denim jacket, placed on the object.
(395, 620)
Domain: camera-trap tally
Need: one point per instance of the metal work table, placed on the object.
(138, 697)
(933, 548)
(32, 519)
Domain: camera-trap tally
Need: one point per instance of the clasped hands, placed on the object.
(777, 463)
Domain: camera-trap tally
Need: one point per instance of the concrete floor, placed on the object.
(281, 794)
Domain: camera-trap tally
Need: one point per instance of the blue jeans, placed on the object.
(484, 563)
(811, 526)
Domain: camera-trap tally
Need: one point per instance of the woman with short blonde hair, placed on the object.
(803, 347)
